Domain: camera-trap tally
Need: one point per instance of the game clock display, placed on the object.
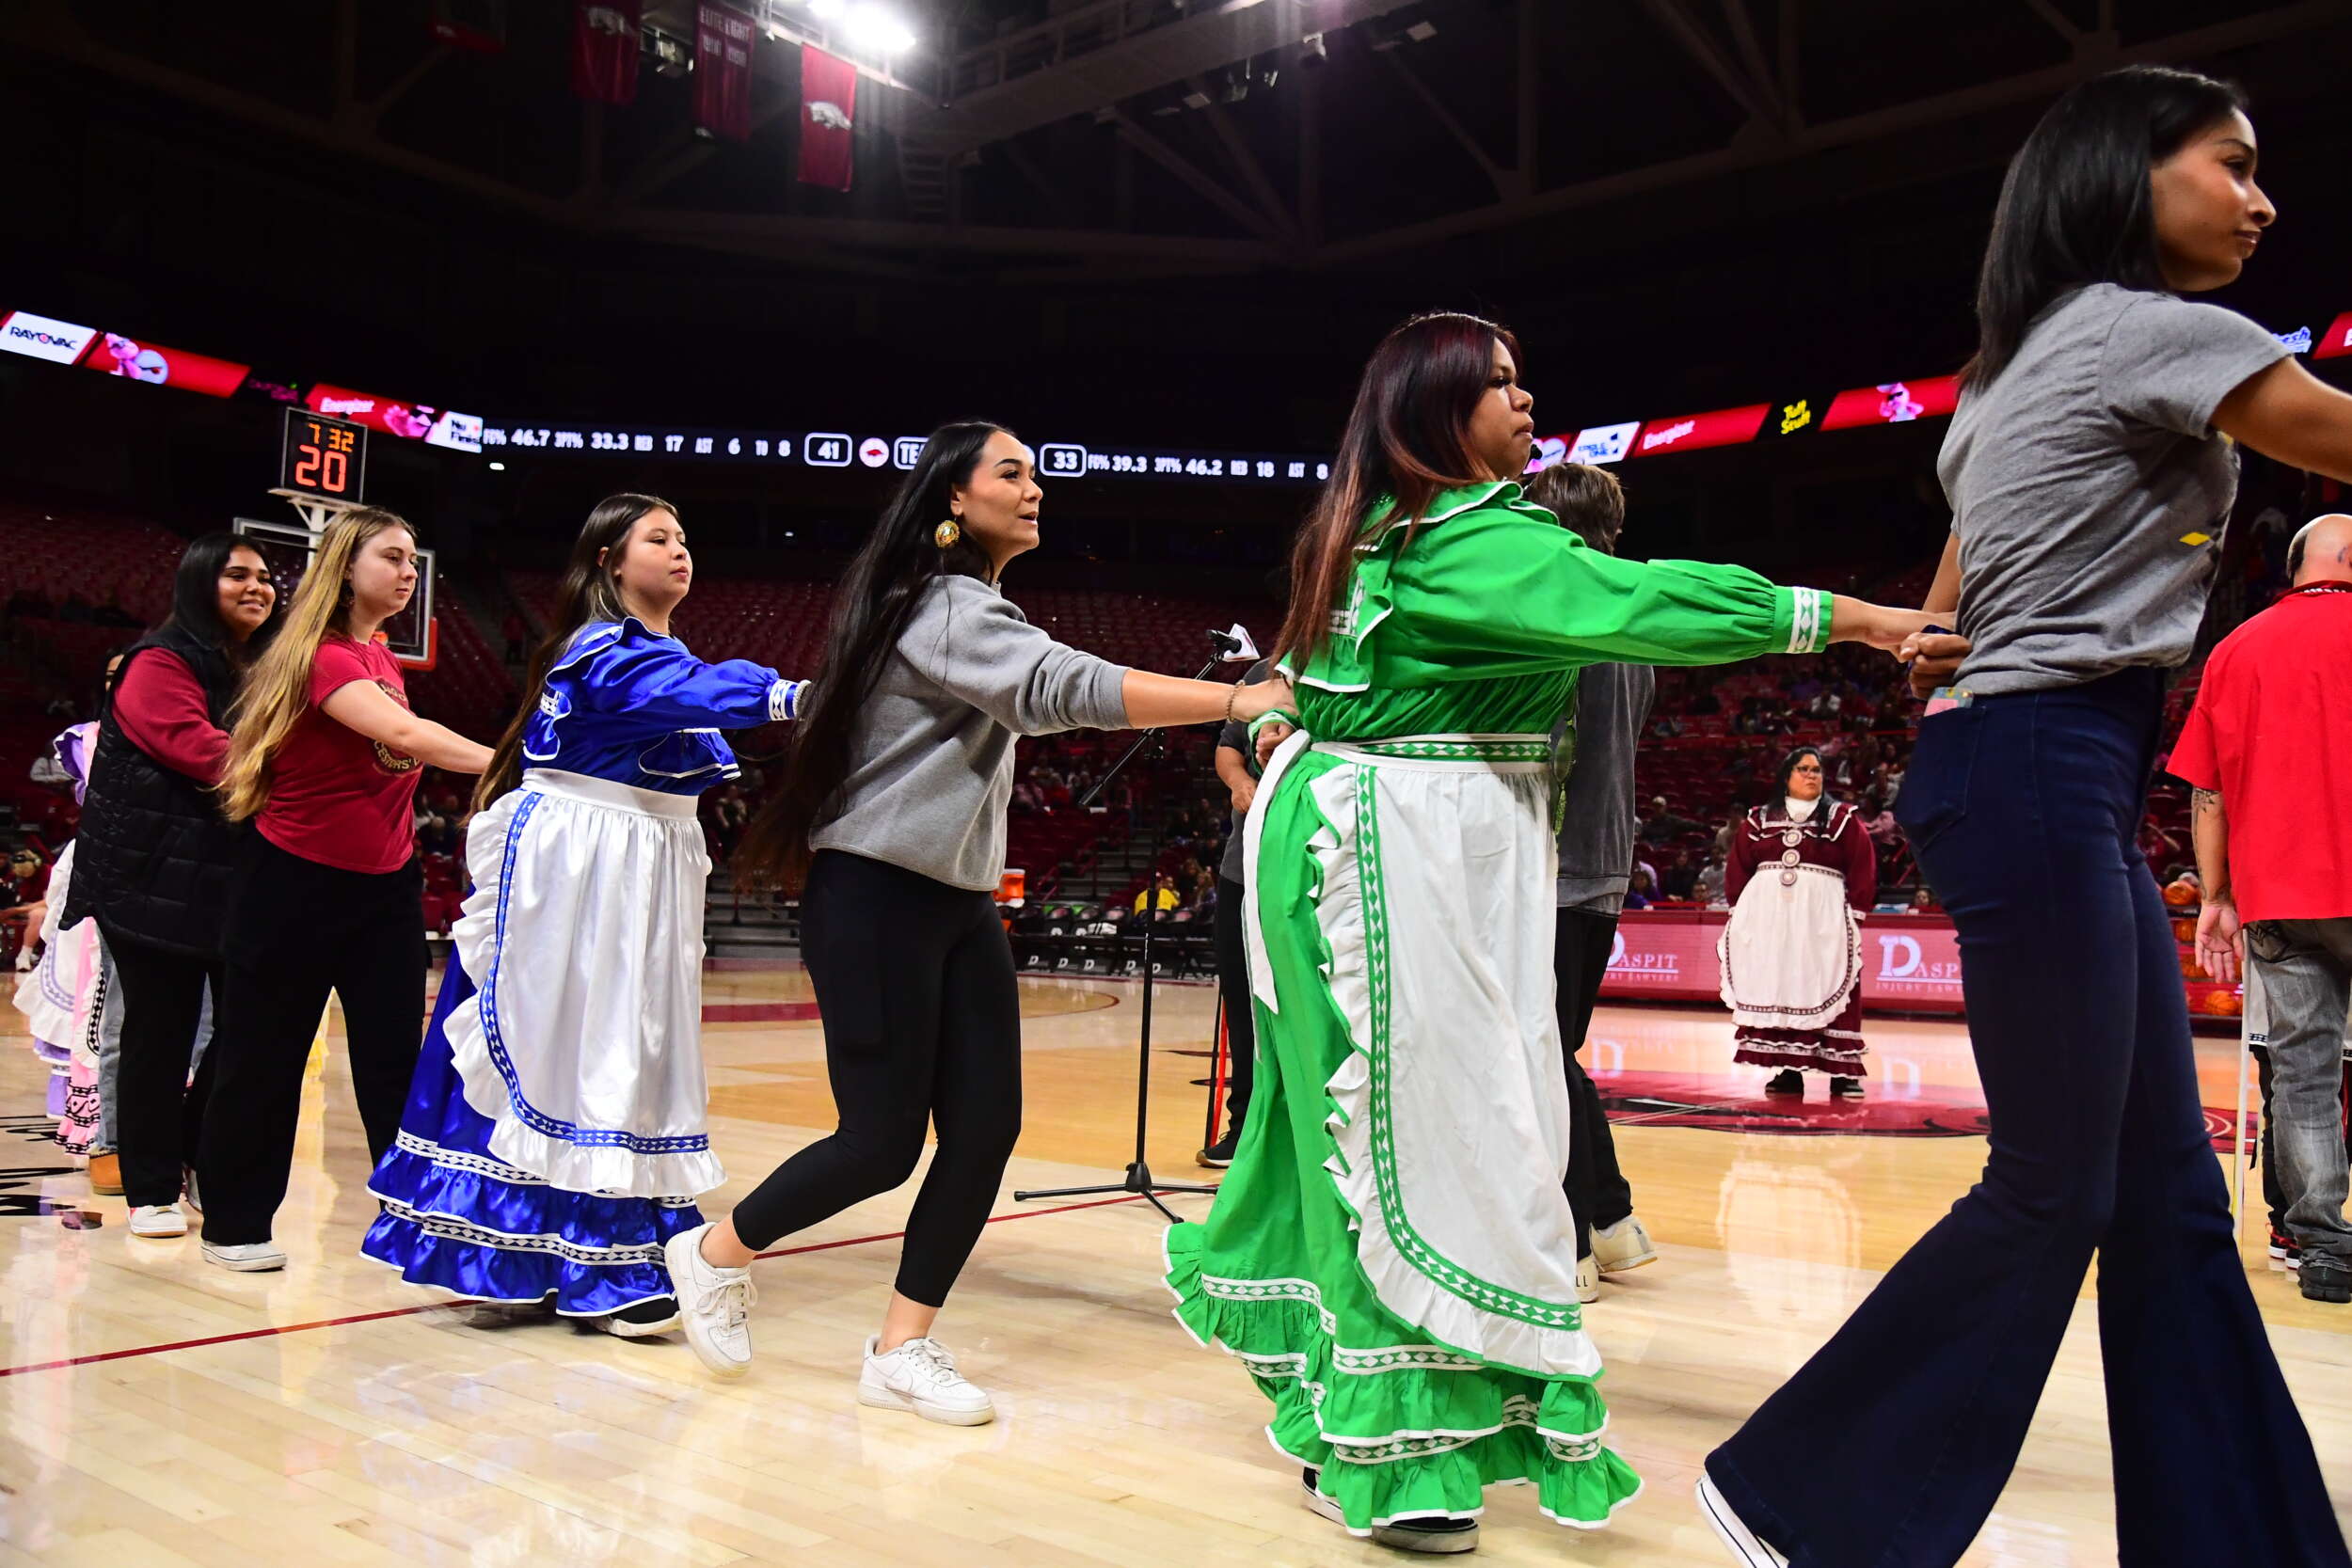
(323, 457)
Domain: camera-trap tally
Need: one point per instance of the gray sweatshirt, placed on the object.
(1612, 703)
(930, 760)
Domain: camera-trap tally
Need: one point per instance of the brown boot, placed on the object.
(105, 1175)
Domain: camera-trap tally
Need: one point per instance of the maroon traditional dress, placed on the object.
(1799, 882)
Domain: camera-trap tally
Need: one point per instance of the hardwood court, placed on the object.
(160, 1411)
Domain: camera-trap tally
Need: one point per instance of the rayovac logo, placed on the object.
(830, 116)
(1643, 966)
(1667, 436)
(1900, 960)
(59, 342)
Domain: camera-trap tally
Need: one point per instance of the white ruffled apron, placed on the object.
(1791, 952)
(584, 938)
(1437, 902)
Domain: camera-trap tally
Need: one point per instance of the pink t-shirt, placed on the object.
(336, 797)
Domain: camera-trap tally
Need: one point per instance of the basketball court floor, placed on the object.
(155, 1410)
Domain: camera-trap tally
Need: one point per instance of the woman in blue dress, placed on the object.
(556, 1135)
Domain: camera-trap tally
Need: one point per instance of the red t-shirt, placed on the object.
(2272, 731)
(335, 795)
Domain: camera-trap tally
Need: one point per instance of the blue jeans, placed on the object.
(2306, 971)
(1891, 1445)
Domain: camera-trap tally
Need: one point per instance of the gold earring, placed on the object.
(947, 533)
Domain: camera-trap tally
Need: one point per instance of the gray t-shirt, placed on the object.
(1237, 735)
(930, 760)
(2090, 491)
(1612, 701)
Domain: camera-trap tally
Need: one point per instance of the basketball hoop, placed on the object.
(316, 512)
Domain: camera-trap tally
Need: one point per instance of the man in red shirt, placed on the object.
(2269, 751)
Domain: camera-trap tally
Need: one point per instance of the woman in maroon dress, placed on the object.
(1803, 872)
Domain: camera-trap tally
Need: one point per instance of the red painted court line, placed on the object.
(460, 1301)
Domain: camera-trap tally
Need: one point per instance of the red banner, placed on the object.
(604, 50)
(723, 70)
(115, 354)
(2337, 342)
(828, 112)
(1909, 963)
(1894, 402)
(1726, 427)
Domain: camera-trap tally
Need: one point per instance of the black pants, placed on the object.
(1233, 984)
(1596, 1188)
(158, 1117)
(296, 931)
(914, 980)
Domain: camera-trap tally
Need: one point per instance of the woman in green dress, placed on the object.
(1392, 1256)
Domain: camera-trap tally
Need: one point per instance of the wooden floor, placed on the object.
(157, 1410)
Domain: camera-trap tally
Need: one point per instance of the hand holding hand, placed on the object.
(1252, 703)
(1935, 658)
(1270, 738)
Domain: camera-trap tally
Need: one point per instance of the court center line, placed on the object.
(460, 1301)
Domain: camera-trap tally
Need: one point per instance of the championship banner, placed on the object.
(827, 113)
(604, 50)
(722, 72)
(116, 355)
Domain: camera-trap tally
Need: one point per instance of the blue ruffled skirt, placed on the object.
(458, 1219)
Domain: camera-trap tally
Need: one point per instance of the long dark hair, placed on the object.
(870, 612)
(195, 601)
(2075, 206)
(588, 592)
(1407, 436)
(1789, 770)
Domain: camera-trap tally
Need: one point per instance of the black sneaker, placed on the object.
(1221, 1153)
(2325, 1281)
(1845, 1089)
(642, 1320)
(1787, 1081)
(1431, 1533)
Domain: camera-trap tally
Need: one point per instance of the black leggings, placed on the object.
(297, 930)
(157, 1115)
(1233, 981)
(914, 980)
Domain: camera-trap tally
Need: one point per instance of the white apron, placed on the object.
(1791, 954)
(584, 938)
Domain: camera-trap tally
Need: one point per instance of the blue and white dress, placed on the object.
(556, 1133)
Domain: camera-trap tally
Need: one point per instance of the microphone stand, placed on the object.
(1138, 1181)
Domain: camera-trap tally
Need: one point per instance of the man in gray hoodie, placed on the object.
(1596, 848)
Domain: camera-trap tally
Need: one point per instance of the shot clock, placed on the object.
(323, 458)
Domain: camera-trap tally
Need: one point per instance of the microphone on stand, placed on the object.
(1235, 647)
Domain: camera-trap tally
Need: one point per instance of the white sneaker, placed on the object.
(246, 1257)
(158, 1221)
(1733, 1531)
(921, 1376)
(1623, 1246)
(714, 1304)
(1588, 1279)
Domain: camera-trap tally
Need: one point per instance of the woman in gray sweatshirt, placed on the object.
(893, 809)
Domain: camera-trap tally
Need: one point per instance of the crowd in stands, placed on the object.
(1715, 739)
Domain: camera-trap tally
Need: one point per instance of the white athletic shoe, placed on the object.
(246, 1257)
(1435, 1535)
(158, 1221)
(1588, 1279)
(714, 1304)
(921, 1376)
(1733, 1531)
(1623, 1246)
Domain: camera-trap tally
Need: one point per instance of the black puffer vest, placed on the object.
(153, 856)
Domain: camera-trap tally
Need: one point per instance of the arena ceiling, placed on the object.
(1131, 139)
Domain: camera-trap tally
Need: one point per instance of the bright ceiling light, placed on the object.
(878, 30)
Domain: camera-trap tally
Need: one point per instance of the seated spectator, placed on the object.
(1642, 891)
(1709, 887)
